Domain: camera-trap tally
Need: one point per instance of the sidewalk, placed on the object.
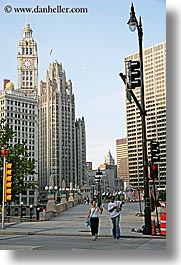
(72, 223)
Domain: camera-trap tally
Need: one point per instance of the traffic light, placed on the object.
(154, 171)
(8, 182)
(155, 151)
(134, 74)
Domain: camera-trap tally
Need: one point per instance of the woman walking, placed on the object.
(93, 215)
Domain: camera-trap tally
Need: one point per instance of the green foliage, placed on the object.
(6, 133)
(22, 165)
(162, 195)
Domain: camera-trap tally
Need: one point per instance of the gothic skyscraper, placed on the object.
(56, 148)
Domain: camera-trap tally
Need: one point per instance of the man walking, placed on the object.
(114, 208)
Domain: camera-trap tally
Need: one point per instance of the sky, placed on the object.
(91, 47)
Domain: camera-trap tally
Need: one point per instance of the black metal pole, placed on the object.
(98, 178)
(37, 213)
(93, 191)
(139, 202)
(147, 227)
(21, 211)
(158, 225)
(99, 189)
(31, 212)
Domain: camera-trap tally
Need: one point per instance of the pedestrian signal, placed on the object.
(154, 171)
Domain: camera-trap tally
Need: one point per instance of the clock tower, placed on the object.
(27, 63)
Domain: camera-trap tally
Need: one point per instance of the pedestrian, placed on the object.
(87, 200)
(93, 216)
(114, 208)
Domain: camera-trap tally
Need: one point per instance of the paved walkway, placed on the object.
(72, 222)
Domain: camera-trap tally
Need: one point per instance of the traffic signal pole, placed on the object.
(133, 25)
(147, 227)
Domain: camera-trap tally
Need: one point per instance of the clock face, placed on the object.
(27, 63)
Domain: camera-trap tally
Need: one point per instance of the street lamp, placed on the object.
(93, 187)
(52, 190)
(31, 212)
(67, 193)
(98, 181)
(21, 205)
(38, 213)
(58, 194)
(133, 25)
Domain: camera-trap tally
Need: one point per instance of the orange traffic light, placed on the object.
(8, 182)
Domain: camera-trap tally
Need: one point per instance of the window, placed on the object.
(27, 34)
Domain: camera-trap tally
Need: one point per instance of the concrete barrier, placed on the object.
(44, 215)
(61, 207)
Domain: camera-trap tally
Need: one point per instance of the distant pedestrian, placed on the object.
(114, 208)
(87, 200)
(93, 215)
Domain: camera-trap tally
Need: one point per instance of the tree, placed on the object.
(6, 133)
(162, 195)
(22, 165)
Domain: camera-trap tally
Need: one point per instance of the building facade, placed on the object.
(122, 159)
(19, 106)
(109, 160)
(20, 112)
(46, 122)
(56, 133)
(155, 105)
(88, 165)
(81, 152)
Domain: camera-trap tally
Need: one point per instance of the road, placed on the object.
(76, 243)
(69, 232)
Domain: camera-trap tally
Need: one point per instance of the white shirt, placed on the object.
(94, 212)
(115, 212)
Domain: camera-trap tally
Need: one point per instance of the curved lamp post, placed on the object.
(133, 25)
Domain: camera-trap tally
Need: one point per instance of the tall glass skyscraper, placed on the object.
(155, 105)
